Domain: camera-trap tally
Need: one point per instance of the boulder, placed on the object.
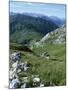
(41, 85)
(36, 79)
(19, 70)
(15, 83)
(14, 65)
(45, 54)
(15, 56)
(26, 66)
(25, 79)
(25, 85)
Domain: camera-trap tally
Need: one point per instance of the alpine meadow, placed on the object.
(37, 45)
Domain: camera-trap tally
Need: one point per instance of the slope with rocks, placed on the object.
(57, 36)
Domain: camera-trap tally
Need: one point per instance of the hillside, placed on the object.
(57, 36)
(37, 52)
(24, 28)
(48, 62)
(58, 21)
(51, 71)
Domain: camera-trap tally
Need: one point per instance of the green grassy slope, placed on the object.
(52, 72)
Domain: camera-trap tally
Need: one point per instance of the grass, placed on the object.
(52, 72)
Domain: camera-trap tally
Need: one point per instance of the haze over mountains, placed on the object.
(31, 26)
(58, 21)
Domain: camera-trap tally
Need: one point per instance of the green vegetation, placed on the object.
(24, 28)
(47, 57)
(51, 71)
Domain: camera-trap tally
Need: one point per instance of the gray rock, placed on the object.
(46, 55)
(25, 85)
(36, 79)
(15, 56)
(57, 36)
(42, 85)
(15, 83)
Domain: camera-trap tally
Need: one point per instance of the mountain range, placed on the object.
(31, 26)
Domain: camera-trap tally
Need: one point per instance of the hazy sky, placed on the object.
(46, 9)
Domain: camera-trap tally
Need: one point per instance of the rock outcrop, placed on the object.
(57, 36)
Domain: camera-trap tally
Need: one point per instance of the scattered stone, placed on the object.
(24, 85)
(19, 70)
(11, 75)
(26, 66)
(15, 83)
(45, 54)
(25, 79)
(41, 85)
(14, 65)
(15, 56)
(36, 79)
(18, 67)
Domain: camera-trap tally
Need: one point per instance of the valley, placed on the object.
(37, 52)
